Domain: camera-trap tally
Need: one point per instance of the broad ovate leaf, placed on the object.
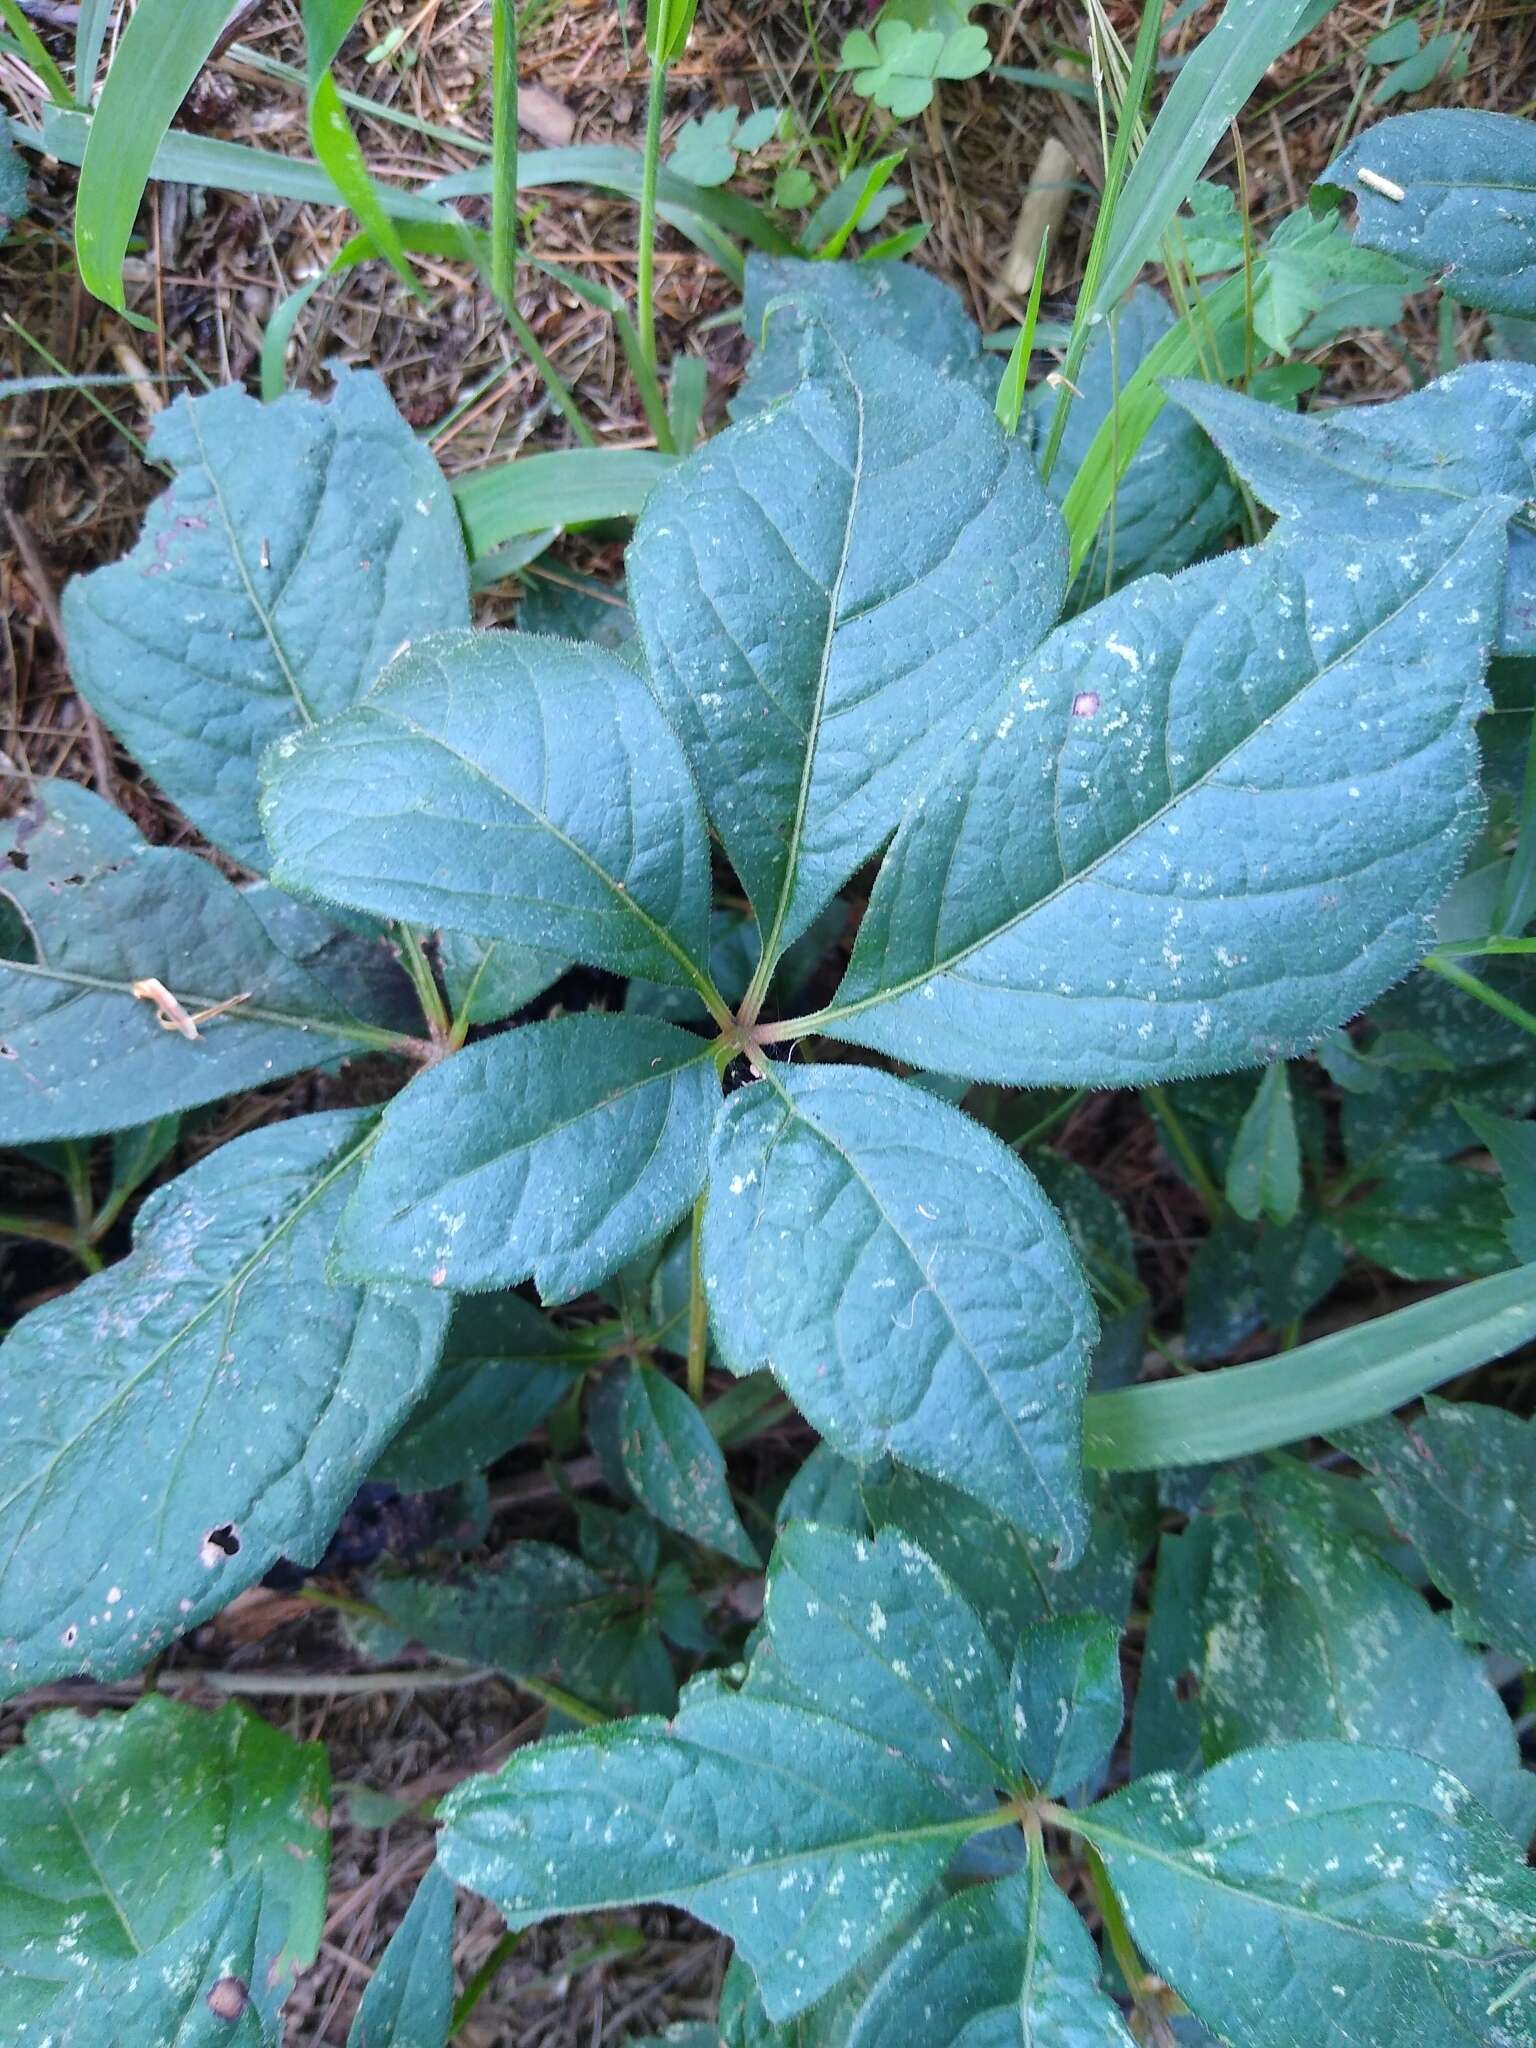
(208, 1405)
(300, 544)
(1005, 1965)
(1208, 821)
(1451, 190)
(553, 1153)
(1460, 1482)
(154, 1845)
(108, 927)
(901, 1275)
(409, 1999)
(1324, 1893)
(509, 787)
(1388, 470)
(814, 652)
(803, 1840)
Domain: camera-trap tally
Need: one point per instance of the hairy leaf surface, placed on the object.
(673, 1464)
(555, 1153)
(801, 1839)
(908, 1285)
(208, 1405)
(299, 546)
(1465, 203)
(1322, 1892)
(155, 1844)
(509, 787)
(100, 910)
(1207, 823)
(813, 652)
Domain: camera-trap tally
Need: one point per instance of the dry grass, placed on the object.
(212, 270)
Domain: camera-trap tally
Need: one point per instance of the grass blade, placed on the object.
(572, 487)
(90, 35)
(164, 47)
(36, 55)
(1353, 1376)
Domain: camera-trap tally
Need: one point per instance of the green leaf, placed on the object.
(813, 654)
(1010, 1579)
(1166, 1733)
(569, 487)
(1006, 1965)
(907, 306)
(1264, 1171)
(1460, 1481)
(13, 187)
(1316, 281)
(142, 1851)
(1429, 1221)
(673, 1464)
(506, 786)
(554, 1152)
(906, 1282)
(1460, 198)
(1220, 811)
(505, 1366)
(741, 1811)
(1353, 1376)
(1175, 500)
(1320, 1893)
(1390, 469)
(705, 149)
(300, 545)
(1513, 1146)
(99, 910)
(1066, 1699)
(873, 1635)
(1308, 1633)
(534, 1610)
(210, 1401)
(409, 1999)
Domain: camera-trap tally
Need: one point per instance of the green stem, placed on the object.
(1048, 1122)
(58, 1235)
(483, 1979)
(646, 281)
(698, 1307)
(1116, 1932)
(1469, 985)
(424, 981)
(578, 1710)
(1088, 313)
(1210, 1195)
(504, 144)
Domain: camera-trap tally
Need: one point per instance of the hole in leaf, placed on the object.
(17, 859)
(1186, 1687)
(228, 1998)
(220, 1542)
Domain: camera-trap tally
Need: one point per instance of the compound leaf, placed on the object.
(1390, 469)
(199, 1410)
(1460, 1482)
(811, 651)
(1319, 1892)
(871, 1633)
(167, 1836)
(1066, 1699)
(673, 1464)
(299, 546)
(100, 911)
(509, 787)
(1176, 846)
(554, 1152)
(409, 1999)
(800, 1838)
(1005, 1965)
(1460, 198)
(907, 1283)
